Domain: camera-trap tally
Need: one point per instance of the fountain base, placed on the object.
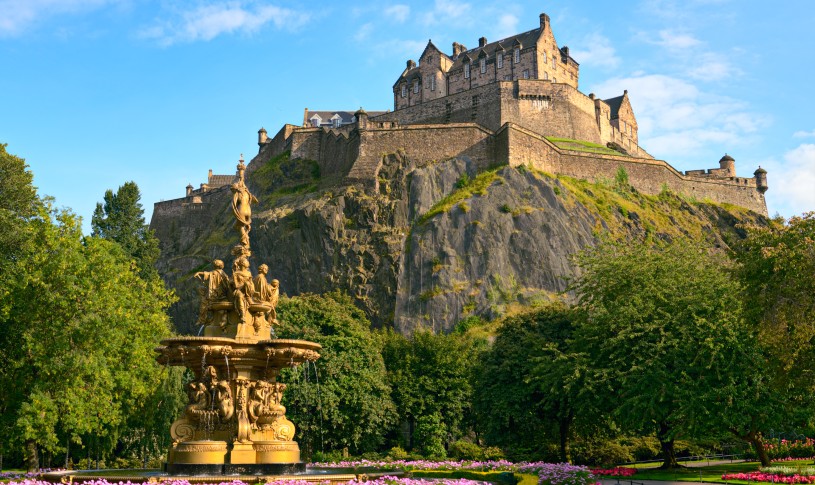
(242, 469)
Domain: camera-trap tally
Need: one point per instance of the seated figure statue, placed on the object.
(267, 293)
(243, 289)
(216, 288)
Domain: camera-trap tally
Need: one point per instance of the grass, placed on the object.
(582, 146)
(466, 188)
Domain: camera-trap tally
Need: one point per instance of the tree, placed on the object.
(430, 375)
(776, 266)
(18, 200)
(77, 340)
(347, 404)
(656, 323)
(527, 384)
(121, 219)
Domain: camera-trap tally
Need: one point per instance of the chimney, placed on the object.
(544, 21)
(458, 49)
(410, 64)
(209, 177)
(482, 42)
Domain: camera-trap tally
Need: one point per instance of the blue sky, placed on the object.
(94, 93)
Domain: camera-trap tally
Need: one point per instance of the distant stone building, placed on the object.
(331, 119)
(515, 102)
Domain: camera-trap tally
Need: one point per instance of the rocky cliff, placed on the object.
(432, 245)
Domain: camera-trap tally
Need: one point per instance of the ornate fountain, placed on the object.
(235, 422)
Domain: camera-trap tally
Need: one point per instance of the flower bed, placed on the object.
(760, 476)
(548, 473)
(619, 471)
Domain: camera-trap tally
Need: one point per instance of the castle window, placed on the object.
(337, 122)
(415, 86)
(526, 73)
(546, 76)
(544, 57)
(483, 65)
(517, 55)
(554, 79)
(500, 60)
(432, 83)
(404, 90)
(554, 64)
(466, 70)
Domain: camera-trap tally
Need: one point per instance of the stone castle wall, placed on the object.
(646, 175)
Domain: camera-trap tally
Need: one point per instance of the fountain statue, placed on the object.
(235, 422)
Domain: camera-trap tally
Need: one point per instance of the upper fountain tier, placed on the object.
(240, 306)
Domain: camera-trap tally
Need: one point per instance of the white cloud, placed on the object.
(804, 134)
(209, 21)
(596, 51)
(676, 41)
(398, 12)
(18, 16)
(364, 32)
(447, 10)
(792, 182)
(677, 121)
(507, 25)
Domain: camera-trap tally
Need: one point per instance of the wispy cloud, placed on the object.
(677, 120)
(804, 134)
(363, 32)
(675, 40)
(507, 25)
(596, 50)
(398, 13)
(710, 67)
(18, 16)
(208, 21)
(447, 10)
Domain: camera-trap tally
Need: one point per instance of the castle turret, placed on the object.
(728, 163)
(262, 136)
(362, 118)
(189, 189)
(761, 179)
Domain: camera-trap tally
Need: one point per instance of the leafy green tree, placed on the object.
(351, 407)
(121, 219)
(776, 266)
(527, 385)
(431, 374)
(18, 200)
(77, 340)
(430, 436)
(657, 322)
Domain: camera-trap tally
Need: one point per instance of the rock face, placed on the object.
(431, 245)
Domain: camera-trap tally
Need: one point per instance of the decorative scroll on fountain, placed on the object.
(235, 422)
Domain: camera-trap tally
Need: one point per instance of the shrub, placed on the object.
(465, 450)
(397, 453)
(429, 436)
(601, 453)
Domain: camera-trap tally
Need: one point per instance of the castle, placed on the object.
(512, 102)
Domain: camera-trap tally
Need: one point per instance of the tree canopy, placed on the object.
(121, 219)
(351, 407)
(657, 322)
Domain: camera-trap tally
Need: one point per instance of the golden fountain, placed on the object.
(235, 422)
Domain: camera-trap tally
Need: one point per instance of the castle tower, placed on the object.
(262, 136)
(761, 179)
(362, 119)
(189, 189)
(728, 163)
